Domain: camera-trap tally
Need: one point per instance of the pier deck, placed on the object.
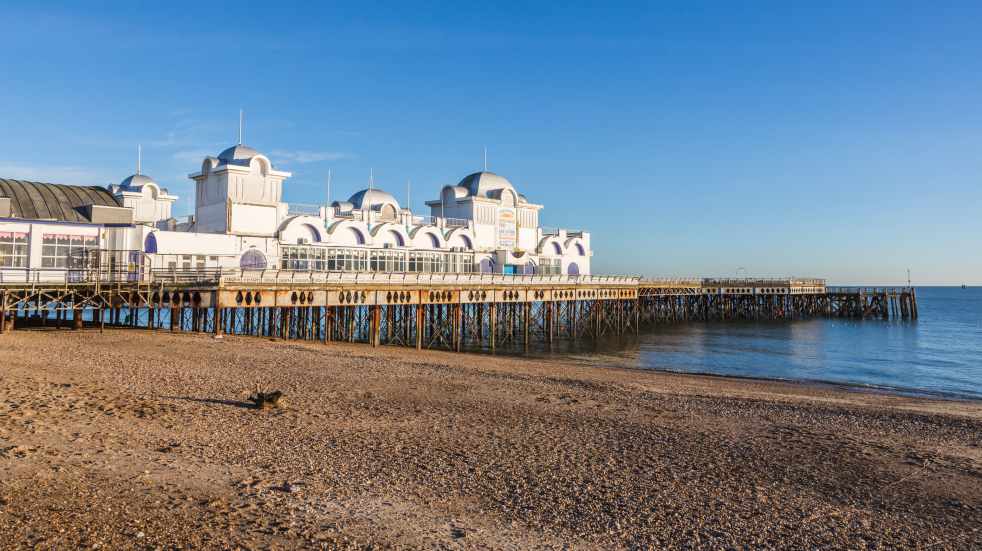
(449, 311)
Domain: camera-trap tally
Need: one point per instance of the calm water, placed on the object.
(941, 353)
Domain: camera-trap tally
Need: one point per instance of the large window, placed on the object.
(58, 247)
(550, 266)
(332, 259)
(13, 250)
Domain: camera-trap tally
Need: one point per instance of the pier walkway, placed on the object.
(449, 311)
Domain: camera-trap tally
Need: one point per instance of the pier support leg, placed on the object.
(76, 317)
(420, 325)
(218, 316)
(375, 325)
(3, 313)
(458, 327)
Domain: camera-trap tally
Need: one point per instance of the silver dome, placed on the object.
(483, 184)
(136, 182)
(372, 199)
(238, 154)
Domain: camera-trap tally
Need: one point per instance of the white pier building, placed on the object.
(240, 221)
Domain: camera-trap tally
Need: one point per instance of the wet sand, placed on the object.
(129, 439)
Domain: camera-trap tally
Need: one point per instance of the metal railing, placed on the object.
(555, 231)
(455, 222)
(413, 278)
(715, 282)
(304, 209)
(868, 290)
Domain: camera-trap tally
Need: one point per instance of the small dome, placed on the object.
(482, 184)
(372, 199)
(136, 182)
(238, 154)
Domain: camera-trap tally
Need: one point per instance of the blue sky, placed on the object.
(841, 140)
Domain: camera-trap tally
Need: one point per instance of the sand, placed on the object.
(131, 439)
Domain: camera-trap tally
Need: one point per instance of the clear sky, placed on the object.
(841, 140)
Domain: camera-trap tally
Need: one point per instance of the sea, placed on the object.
(939, 354)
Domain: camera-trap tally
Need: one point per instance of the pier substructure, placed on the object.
(464, 313)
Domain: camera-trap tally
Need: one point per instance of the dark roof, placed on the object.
(40, 201)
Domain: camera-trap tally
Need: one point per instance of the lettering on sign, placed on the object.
(507, 228)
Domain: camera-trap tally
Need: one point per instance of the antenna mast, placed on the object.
(485, 158)
(139, 159)
(328, 187)
(241, 117)
(409, 195)
(371, 178)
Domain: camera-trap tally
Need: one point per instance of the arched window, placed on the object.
(529, 268)
(579, 250)
(253, 260)
(397, 238)
(487, 266)
(311, 233)
(434, 241)
(388, 213)
(150, 244)
(357, 236)
(556, 249)
(507, 198)
(467, 242)
(573, 269)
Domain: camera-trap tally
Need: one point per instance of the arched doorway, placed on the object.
(150, 244)
(253, 260)
(573, 269)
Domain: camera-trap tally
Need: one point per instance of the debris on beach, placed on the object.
(267, 400)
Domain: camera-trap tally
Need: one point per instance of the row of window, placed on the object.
(56, 249)
(319, 259)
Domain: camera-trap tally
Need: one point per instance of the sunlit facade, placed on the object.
(240, 221)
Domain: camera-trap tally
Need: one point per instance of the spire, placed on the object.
(241, 123)
(328, 187)
(139, 159)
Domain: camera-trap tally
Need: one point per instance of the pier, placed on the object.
(425, 310)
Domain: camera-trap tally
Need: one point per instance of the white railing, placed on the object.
(408, 278)
(33, 276)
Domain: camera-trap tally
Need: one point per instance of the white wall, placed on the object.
(253, 219)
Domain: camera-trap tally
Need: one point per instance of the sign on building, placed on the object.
(507, 228)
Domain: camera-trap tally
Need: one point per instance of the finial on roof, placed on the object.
(371, 178)
(485, 158)
(328, 188)
(241, 117)
(139, 159)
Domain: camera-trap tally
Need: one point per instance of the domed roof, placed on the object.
(238, 154)
(136, 182)
(369, 199)
(481, 184)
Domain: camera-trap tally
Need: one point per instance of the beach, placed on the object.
(133, 439)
